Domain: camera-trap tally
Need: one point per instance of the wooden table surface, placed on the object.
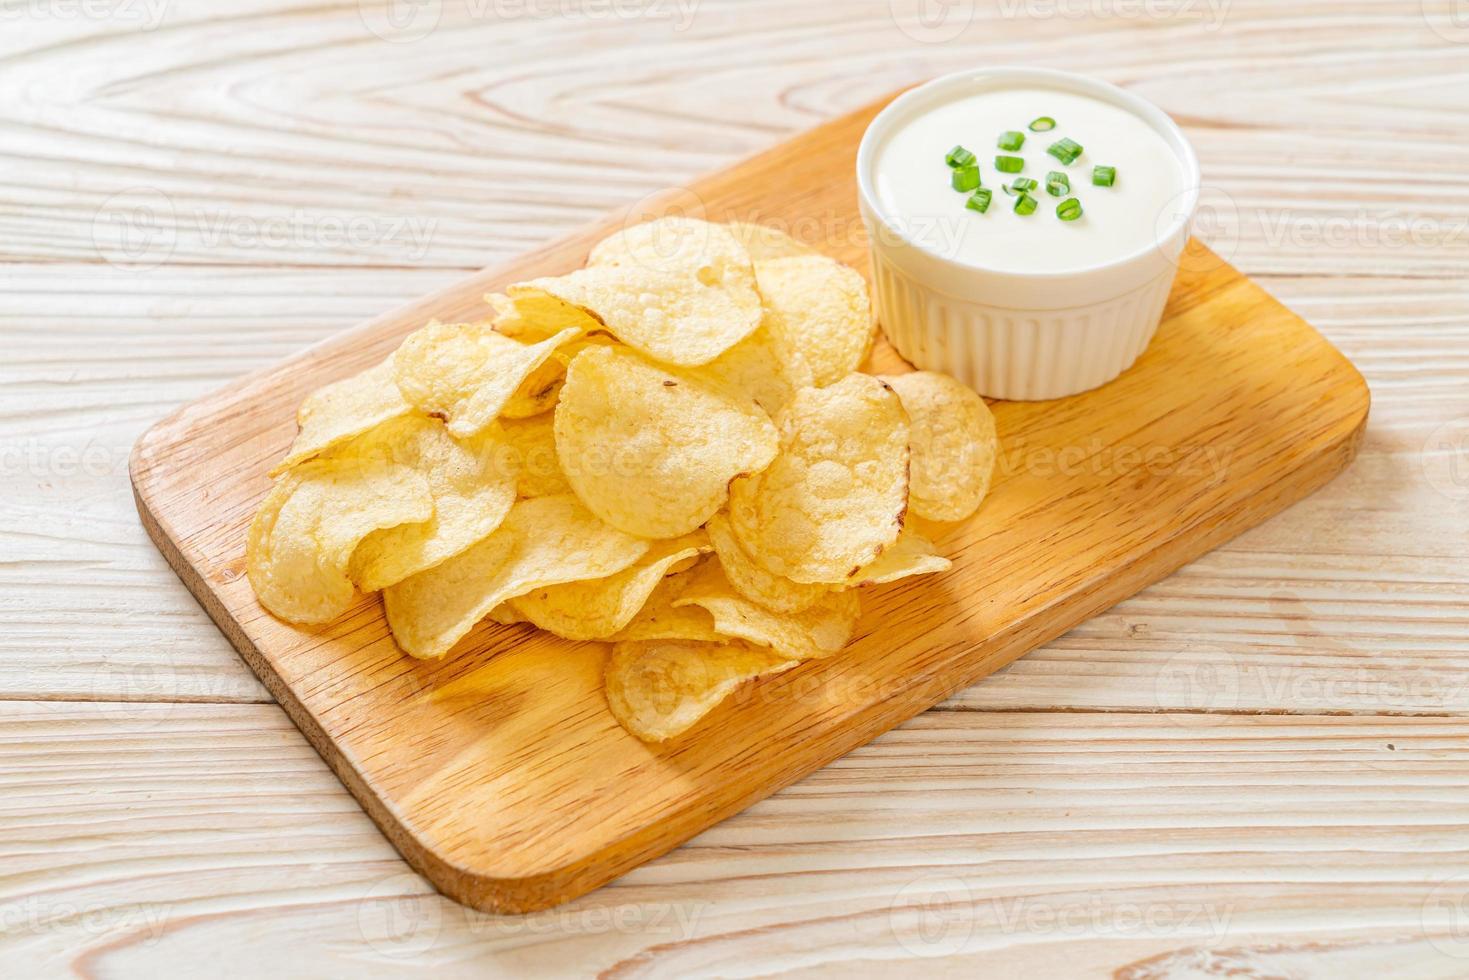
(1256, 768)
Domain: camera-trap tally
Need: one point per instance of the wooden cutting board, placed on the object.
(499, 772)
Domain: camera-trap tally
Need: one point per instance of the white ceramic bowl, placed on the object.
(1020, 335)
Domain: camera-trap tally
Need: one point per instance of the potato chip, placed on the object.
(533, 316)
(753, 581)
(836, 496)
(913, 554)
(660, 690)
(681, 291)
(537, 394)
(466, 373)
(758, 367)
(764, 243)
(533, 443)
(309, 524)
(596, 609)
(651, 450)
(819, 307)
(954, 445)
(660, 619)
(819, 631)
(707, 250)
(505, 615)
(543, 542)
(473, 482)
(338, 412)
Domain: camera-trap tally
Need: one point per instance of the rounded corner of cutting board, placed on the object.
(494, 890)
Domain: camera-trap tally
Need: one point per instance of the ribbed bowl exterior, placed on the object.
(1017, 355)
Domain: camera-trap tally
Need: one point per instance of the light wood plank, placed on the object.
(1075, 845)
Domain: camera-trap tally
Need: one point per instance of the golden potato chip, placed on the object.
(819, 307)
(341, 411)
(465, 373)
(660, 619)
(818, 631)
(764, 243)
(309, 524)
(596, 609)
(835, 497)
(660, 690)
(537, 394)
(954, 445)
(651, 450)
(681, 291)
(473, 482)
(758, 367)
(913, 554)
(542, 542)
(533, 316)
(533, 442)
(752, 580)
(673, 317)
(708, 250)
(505, 615)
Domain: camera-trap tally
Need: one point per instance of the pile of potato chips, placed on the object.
(670, 450)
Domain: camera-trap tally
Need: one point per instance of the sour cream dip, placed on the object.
(913, 181)
(1021, 304)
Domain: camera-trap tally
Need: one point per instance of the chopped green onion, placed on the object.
(1025, 204)
(1042, 125)
(1020, 185)
(1057, 184)
(965, 179)
(1011, 140)
(979, 200)
(959, 157)
(1065, 150)
(1009, 165)
(1104, 176)
(1069, 209)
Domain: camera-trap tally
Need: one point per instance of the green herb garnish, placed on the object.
(1058, 184)
(1020, 185)
(979, 200)
(959, 157)
(1065, 150)
(1104, 176)
(1069, 209)
(965, 179)
(1009, 165)
(1011, 140)
(1042, 125)
(1025, 204)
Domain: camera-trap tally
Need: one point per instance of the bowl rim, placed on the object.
(1044, 77)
